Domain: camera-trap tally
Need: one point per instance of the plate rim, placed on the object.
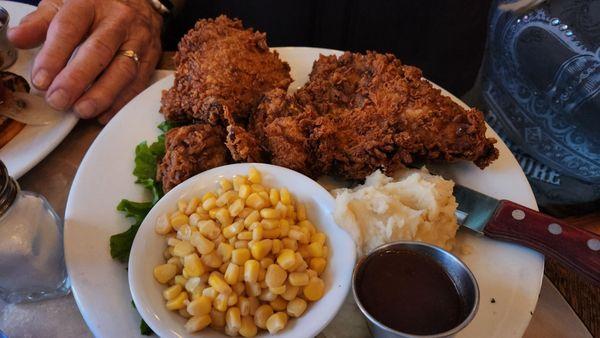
(69, 211)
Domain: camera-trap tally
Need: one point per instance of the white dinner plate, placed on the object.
(33, 143)
(509, 274)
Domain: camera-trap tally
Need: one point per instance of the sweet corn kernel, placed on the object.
(193, 266)
(194, 218)
(318, 264)
(163, 226)
(183, 313)
(191, 206)
(286, 259)
(181, 205)
(176, 261)
(245, 235)
(318, 237)
(202, 244)
(300, 212)
(265, 262)
(254, 175)
(226, 184)
(259, 188)
(277, 246)
(240, 256)
(232, 299)
(262, 314)
(269, 224)
(244, 305)
(210, 292)
(233, 229)
(254, 216)
(309, 226)
(275, 276)
(209, 228)
(281, 208)
(200, 306)
(255, 201)
(272, 234)
(269, 213)
(209, 203)
(245, 191)
(219, 284)
(220, 302)
(183, 248)
(212, 212)
(208, 195)
(261, 275)
(192, 283)
(224, 251)
(233, 318)
(248, 328)
(312, 273)
(252, 289)
(274, 196)
(236, 207)
(232, 273)
(245, 212)
(285, 197)
(290, 292)
(238, 180)
(254, 304)
(251, 268)
(226, 198)
(241, 244)
(303, 250)
(222, 215)
(198, 323)
(257, 233)
(172, 291)
(297, 235)
(277, 322)
(164, 272)
(212, 260)
(261, 248)
(179, 279)
(289, 243)
(301, 264)
(177, 302)
(184, 232)
(178, 221)
(306, 238)
(239, 287)
(315, 249)
(265, 196)
(299, 278)
(279, 304)
(314, 290)
(284, 227)
(296, 307)
(217, 318)
(278, 290)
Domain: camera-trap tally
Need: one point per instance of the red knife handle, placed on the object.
(574, 247)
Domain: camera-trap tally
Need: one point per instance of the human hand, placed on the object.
(97, 80)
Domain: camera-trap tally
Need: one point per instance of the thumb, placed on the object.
(31, 31)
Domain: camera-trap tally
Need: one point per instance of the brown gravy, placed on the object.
(410, 292)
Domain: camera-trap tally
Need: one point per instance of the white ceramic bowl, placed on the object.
(148, 247)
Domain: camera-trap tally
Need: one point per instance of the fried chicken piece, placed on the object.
(362, 112)
(221, 64)
(189, 151)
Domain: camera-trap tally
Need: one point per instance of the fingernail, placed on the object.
(59, 99)
(85, 109)
(41, 79)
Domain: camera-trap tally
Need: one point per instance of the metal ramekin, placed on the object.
(454, 267)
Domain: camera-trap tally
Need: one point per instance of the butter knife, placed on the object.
(505, 220)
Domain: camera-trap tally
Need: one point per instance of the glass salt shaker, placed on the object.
(32, 265)
(8, 53)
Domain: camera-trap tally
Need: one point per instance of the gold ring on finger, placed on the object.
(130, 54)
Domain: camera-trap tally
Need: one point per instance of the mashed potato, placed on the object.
(415, 205)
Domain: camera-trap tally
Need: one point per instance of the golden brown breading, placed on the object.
(221, 64)
(189, 151)
(362, 112)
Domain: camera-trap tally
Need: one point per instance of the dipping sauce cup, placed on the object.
(414, 289)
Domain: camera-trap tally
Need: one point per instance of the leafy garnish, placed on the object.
(146, 160)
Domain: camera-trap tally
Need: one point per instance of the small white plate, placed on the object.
(147, 249)
(33, 143)
(510, 274)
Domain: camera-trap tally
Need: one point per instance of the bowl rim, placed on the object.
(343, 280)
(406, 244)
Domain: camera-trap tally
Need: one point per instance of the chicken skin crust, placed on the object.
(191, 150)
(362, 112)
(221, 64)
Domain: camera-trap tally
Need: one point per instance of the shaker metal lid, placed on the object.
(8, 189)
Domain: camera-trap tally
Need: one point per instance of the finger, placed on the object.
(65, 33)
(90, 60)
(147, 67)
(31, 31)
(121, 72)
